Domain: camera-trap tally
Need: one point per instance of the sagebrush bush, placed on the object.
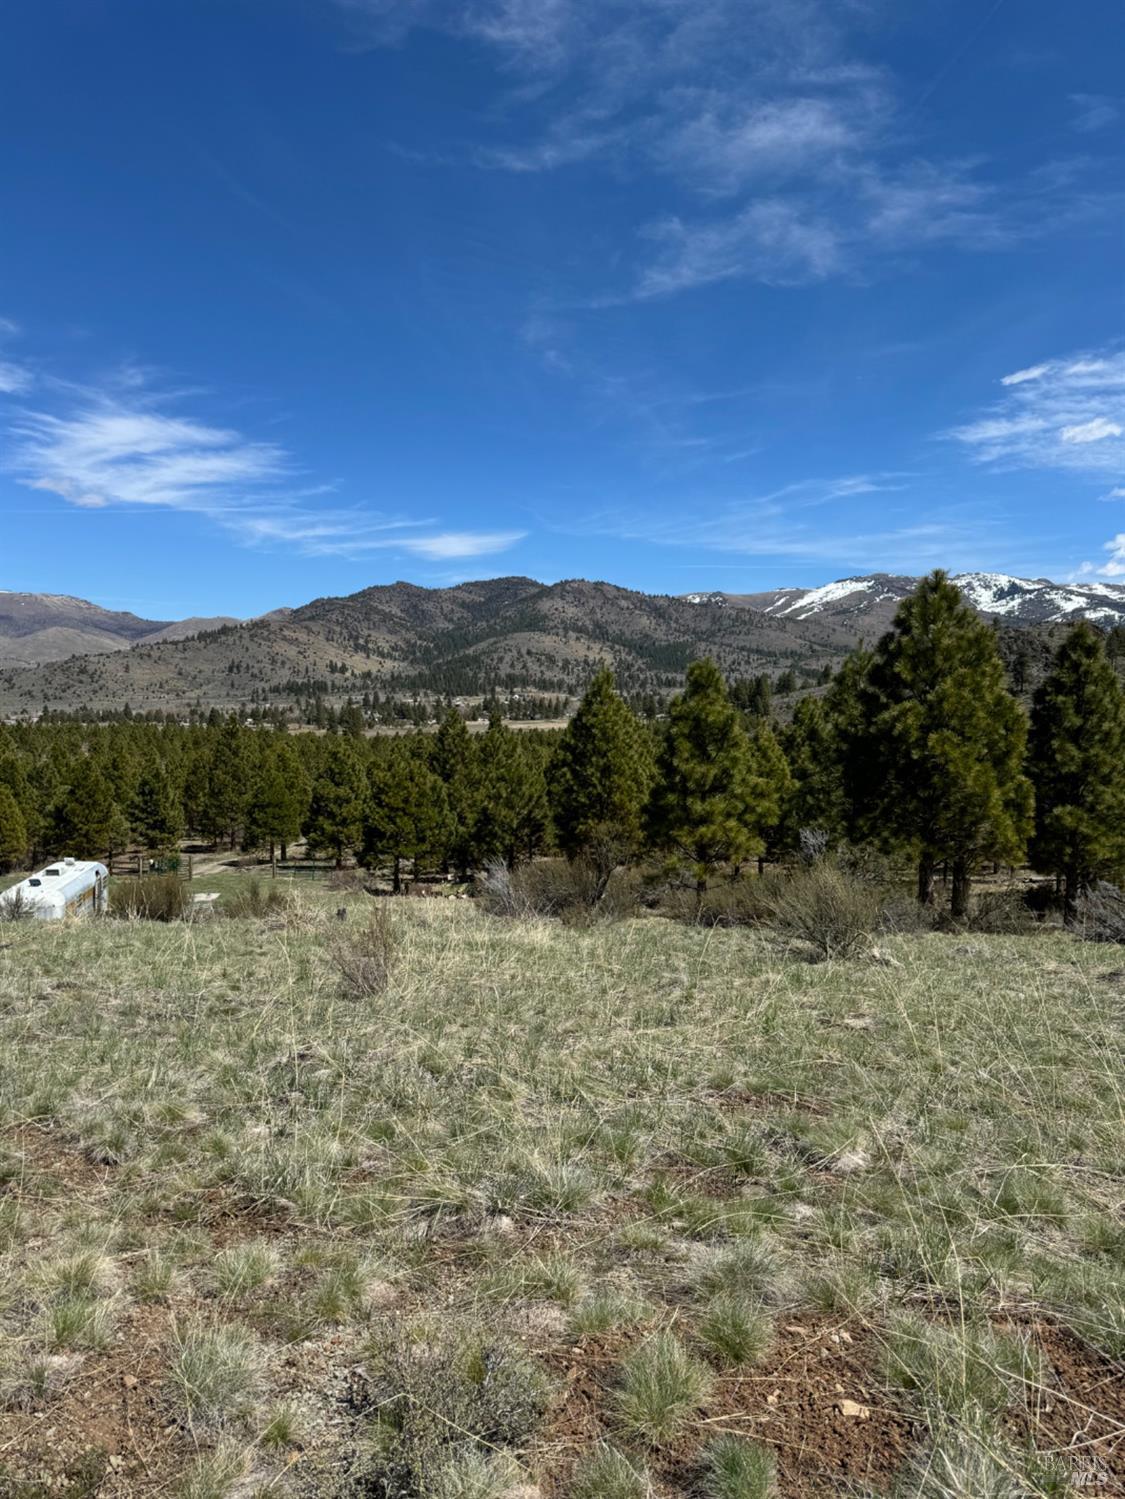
(735, 902)
(447, 1399)
(1100, 916)
(570, 889)
(365, 959)
(834, 912)
(151, 897)
(252, 898)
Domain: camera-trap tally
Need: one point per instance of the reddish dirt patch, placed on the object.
(109, 1426)
(1078, 1413)
(819, 1402)
(794, 1403)
(47, 1154)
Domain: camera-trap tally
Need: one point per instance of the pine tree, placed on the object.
(942, 742)
(455, 762)
(279, 799)
(773, 792)
(599, 781)
(339, 800)
(226, 788)
(1077, 764)
(89, 822)
(812, 752)
(702, 809)
(156, 811)
(511, 819)
(13, 832)
(408, 813)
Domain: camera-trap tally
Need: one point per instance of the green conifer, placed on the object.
(599, 781)
(339, 800)
(943, 741)
(1076, 761)
(13, 832)
(702, 809)
(408, 812)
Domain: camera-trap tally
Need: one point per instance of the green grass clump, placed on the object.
(738, 1469)
(661, 1389)
(607, 1473)
(736, 1329)
(216, 1372)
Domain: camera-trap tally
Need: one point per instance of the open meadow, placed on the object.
(642, 1208)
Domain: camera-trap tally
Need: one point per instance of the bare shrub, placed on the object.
(365, 958)
(14, 906)
(743, 901)
(443, 1397)
(151, 897)
(571, 890)
(1005, 913)
(1100, 916)
(254, 899)
(832, 911)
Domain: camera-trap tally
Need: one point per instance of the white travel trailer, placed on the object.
(69, 887)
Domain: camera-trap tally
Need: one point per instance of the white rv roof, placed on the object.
(62, 877)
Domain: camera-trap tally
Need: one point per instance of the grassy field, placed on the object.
(643, 1209)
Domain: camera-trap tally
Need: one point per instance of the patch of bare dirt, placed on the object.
(108, 1430)
(1078, 1412)
(817, 1401)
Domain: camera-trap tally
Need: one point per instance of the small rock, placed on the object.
(130, 1381)
(884, 959)
(853, 1408)
(845, 1337)
(848, 1162)
(774, 1397)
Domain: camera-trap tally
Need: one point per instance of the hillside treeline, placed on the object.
(917, 747)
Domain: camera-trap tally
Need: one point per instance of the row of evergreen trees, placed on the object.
(917, 747)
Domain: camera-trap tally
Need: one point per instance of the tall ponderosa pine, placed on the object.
(455, 762)
(225, 792)
(599, 781)
(773, 793)
(279, 800)
(13, 832)
(942, 742)
(817, 802)
(339, 800)
(156, 810)
(89, 823)
(1077, 765)
(702, 810)
(511, 819)
(408, 813)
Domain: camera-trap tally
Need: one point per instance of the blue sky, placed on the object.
(298, 296)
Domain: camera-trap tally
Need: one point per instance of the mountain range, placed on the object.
(509, 634)
(867, 604)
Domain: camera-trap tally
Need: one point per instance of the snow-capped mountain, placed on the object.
(869, 603)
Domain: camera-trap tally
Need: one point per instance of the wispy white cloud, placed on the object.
(813, 521)
(769, 240)
(1114, 565)
(120, 446)
(14, 378)
(1093, 112)
(1020, 377)
(1060, 414)
(766, 105)
(1097, 429)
